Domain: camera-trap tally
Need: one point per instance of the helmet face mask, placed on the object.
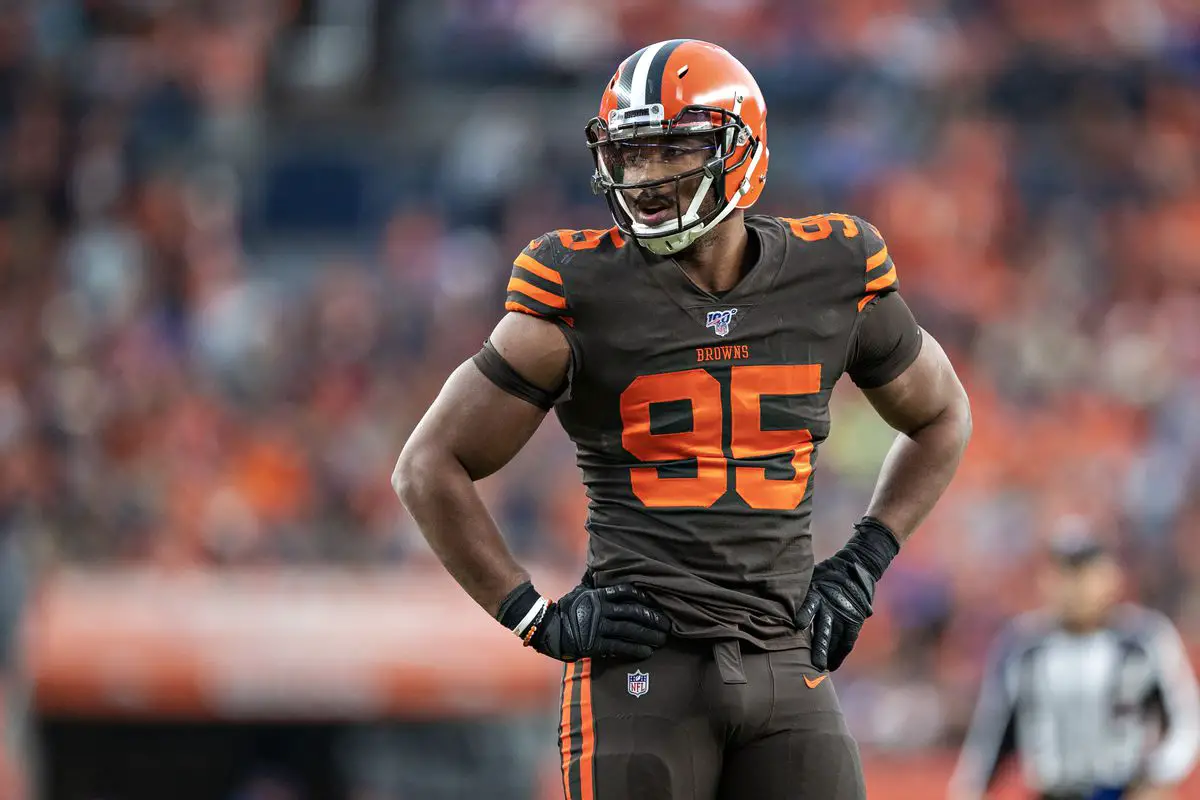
(679, 143)
(689, 156)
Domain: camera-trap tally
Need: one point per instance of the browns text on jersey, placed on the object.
(726, 352)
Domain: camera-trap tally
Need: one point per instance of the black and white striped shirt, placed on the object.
(1085, 710)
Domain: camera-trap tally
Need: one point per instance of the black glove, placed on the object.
(842, 590)
(614, 621)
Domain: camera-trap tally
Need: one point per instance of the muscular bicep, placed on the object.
(477, 422)
(536, 348)
(925, 391)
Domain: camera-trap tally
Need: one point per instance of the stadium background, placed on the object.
(242, 243)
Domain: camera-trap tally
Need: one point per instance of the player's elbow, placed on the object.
(402, 478)
(949, 428)
(960, 415)
(410, 477)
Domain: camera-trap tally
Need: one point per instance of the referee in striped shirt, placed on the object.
(1096, 698)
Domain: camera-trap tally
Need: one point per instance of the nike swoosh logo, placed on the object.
(813, 683)
(535, 244)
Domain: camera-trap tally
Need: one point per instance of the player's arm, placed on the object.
(1175, 755)
(474, 428)
(483, 416)
(907, 377)
(927, 406)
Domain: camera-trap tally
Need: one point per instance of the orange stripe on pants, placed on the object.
(587, 728)
(564, 726)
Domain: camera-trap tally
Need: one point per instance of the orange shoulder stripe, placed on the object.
(865, 299)
(877, 259)
(882, 282)
(541, 295)
(538, 268)
(524, 309)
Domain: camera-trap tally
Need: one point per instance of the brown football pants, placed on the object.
(705, 721)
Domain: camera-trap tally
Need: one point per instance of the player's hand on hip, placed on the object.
(610, 622)
(838, 603)
(842, 590)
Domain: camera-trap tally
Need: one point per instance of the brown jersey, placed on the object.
(698, 418)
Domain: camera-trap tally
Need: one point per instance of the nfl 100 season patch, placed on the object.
(720, 321)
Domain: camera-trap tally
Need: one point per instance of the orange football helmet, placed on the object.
(682, 87)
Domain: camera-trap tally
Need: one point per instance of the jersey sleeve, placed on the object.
(886, 337)
(536, 285)
(886, 341)
(879, 276)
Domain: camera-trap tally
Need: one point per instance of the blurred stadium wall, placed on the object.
(242, 243)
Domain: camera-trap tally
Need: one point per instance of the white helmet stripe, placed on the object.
(637, 95)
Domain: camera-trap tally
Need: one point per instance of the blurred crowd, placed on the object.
(242, 244)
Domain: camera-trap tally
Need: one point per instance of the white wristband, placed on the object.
(534, 613)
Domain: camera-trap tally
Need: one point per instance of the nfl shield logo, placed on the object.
(638, 683)
(719, 321)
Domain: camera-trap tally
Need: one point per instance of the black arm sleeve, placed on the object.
(501, 373)
(885, 343)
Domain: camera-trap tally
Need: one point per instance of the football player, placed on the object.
(690, 352)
